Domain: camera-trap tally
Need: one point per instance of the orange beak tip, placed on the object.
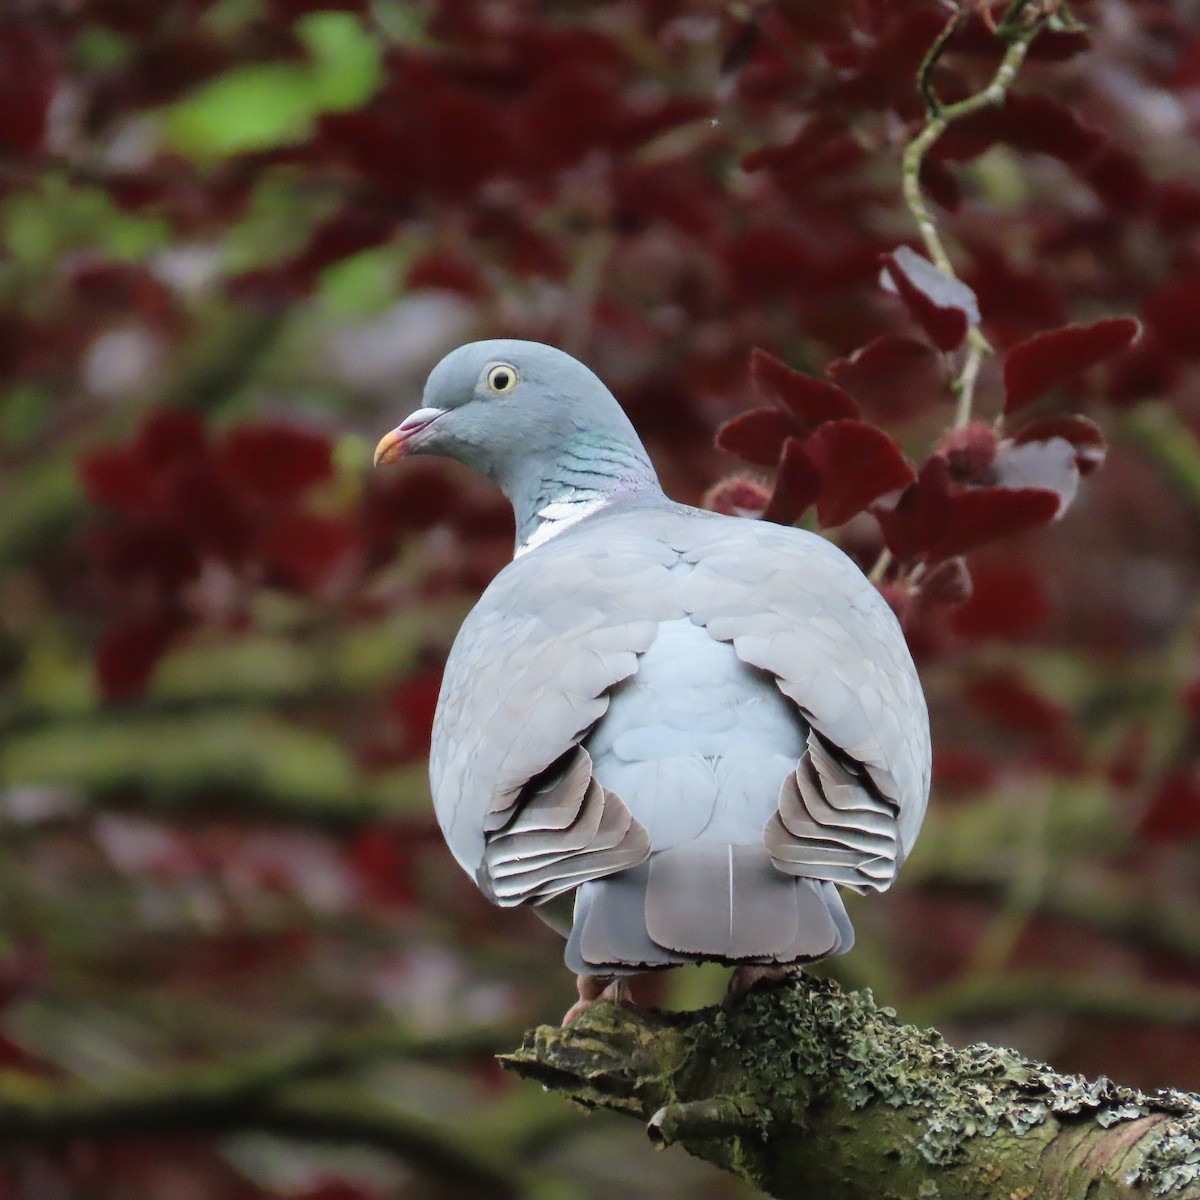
(390, 448)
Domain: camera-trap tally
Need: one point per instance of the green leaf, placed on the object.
(273, 104)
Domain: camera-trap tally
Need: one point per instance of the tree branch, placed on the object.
(288, 1093)
(806, 1090)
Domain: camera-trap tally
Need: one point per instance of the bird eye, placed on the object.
(502, 377)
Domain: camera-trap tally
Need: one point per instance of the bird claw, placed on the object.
(596, 989)
(745, 979)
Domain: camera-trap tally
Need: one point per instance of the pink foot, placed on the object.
(745, 978)
(592, 990)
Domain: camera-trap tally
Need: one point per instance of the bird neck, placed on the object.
(590, 473)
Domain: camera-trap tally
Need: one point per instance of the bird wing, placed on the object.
(792, 604)
(528, 675)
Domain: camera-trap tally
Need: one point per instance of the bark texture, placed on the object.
(806, 1090)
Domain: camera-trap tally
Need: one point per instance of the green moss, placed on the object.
(814, 1042)
(805, 1089)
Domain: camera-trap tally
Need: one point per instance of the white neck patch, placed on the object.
(565, 510)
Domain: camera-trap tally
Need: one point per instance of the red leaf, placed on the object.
(276, 462)
(413, 704)
(1120, 180)
(170, 435)
(1174, 811)
(213, 514)
(962, 769)
(823, 147)
(117, 478)
(1086, 436)
(1173, 313)
(893, 378)
(935, 519)
(810, 400)
(130, 650)
(757, 436)
(941, 304)
(1008, 601)
(447, 272)
(399, 502)
(1042, 362)
(309, 550)
(857, 463)
(797, 485)
(1007, 699)
(738, 497)
(29, 70)
(146, 551)
(1027, 122)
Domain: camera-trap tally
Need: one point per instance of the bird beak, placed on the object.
(395, 445)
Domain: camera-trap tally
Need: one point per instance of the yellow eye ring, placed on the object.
(501, 377)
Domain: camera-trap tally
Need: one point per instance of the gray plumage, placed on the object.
(693, 726)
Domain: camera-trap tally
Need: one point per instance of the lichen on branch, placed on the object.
(804, 1089)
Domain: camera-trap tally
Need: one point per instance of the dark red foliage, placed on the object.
(1173, 314)
(413, 704)
(1046, 360)
(1008, 601)
(1015, 300)
(929, 296)
(130, 650)
(385, 857)
(824, 146)
(447, 272)
(29, 74)
(1026, 121)
(797, 484)
(811, 401)
(893, 378)
(1010, 701)
(857, 464)
(937, 518)
(757, 436)
(1173, 814)
(962, 769)
(308, 550)
(275, 462)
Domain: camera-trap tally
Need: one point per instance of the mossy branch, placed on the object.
(805, 1090)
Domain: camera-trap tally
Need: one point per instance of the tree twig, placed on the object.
(1020, 26)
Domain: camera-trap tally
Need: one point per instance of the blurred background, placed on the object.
(236, 959)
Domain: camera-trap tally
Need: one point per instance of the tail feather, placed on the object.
(704, 902)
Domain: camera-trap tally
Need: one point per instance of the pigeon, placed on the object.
(674, 733)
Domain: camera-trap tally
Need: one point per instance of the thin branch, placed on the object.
(1019, 27)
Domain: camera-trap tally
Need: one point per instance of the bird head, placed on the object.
(504, 406)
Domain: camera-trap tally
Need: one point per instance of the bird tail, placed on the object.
(704, 902)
